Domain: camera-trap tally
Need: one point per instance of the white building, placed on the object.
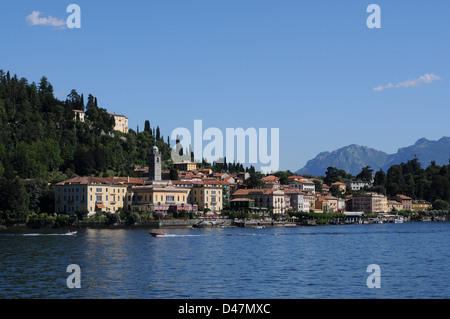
(358, 185)
(298, 201)
(304, 185)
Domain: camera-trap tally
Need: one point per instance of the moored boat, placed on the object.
(399, 220)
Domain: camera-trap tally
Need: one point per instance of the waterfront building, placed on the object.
(91, 194)
(298, 202)
(341, 204)
(405, 200)
(420, 205)
(207, 195)
(242, 203)
(394, 205)
(159, 198)
(270, 198)
(369, 203)
(326, 204)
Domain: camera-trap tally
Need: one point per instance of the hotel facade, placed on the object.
(91, 194)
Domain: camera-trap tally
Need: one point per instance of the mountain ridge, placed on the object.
(353, 158)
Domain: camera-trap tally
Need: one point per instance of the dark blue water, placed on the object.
(270, 263)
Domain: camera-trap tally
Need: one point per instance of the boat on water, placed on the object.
(69, 233)
(398, 220)
(154, 234)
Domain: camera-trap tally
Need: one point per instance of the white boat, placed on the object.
(398, 219)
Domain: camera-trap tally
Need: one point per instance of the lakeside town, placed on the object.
(198, 191)
(184, 193)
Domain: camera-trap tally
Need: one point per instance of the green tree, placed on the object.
(366, 174)
(380, 178)
(440, 204)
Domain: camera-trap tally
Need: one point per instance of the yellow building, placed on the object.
(91, 194)
(270, 198)
(207, 195)
(185, 166)
(158, 198)
(420, 205)
(121, 122)
(393, 205)
(326, 204)
(340, 186)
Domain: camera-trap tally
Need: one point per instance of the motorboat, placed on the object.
(154, 234)
(70, 233)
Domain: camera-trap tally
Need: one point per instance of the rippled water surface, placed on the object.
(274, 263)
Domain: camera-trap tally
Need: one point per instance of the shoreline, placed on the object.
(200, 223)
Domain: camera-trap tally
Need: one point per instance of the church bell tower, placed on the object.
(154, 165)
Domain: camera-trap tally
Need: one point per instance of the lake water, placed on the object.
(271, 263)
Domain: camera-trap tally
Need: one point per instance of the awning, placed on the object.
(100, 206)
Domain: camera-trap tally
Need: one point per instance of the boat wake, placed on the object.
(41, 234)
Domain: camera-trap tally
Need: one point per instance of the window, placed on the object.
(99, 198)
(98, 190)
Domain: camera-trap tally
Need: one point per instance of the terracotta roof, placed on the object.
(270, 178)
(293, 191)
(85, 180)
(114, 114)
(242, 200)
(255, 191)
(296, 177)
(88, 180)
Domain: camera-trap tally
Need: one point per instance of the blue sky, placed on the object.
(308, 68)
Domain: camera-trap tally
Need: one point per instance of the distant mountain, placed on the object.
(349, 158)
(425, 150)
(354, 157)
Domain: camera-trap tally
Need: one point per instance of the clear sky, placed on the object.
(313, 69)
